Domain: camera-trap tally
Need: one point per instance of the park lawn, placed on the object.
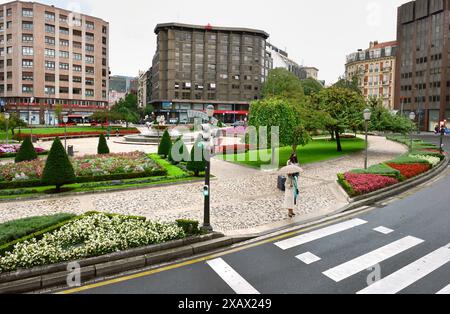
(316, 151)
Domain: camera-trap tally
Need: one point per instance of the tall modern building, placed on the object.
(49, 57)
(375, 69)
(195, 66)
(423, 76)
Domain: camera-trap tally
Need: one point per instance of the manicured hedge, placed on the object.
(381, 169)
(16, 229)
(407, 160)
(7, 156)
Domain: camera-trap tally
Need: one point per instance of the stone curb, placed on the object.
(46, 277)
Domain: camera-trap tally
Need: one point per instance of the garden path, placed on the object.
(243, 200)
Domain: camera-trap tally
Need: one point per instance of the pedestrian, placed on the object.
(290, 195)
(293, 161)
(437, 129)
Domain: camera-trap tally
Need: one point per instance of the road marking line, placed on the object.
(446, 290)
(408, 275)
(308, 258)
(231, 277)
(383, 230)
(319, 234)
(364, 262)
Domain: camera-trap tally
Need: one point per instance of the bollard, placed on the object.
(70, 151)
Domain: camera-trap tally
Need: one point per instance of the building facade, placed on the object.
(52, 57)
(375, 69)
(423, 75)
(196, 66)
(309, 72)
(142, 89)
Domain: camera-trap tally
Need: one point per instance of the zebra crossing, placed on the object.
(393, 283)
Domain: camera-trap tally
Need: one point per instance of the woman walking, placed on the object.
(291, 195)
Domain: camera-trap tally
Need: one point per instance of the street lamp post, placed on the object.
(412, 117)
(29, 117)
(367, 117)
(441, 146)
(65, 120)
(207, 189)
(7, 116)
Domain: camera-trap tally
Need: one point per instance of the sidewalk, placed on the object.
(244, 200)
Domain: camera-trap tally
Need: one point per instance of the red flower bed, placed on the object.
(410, 170)
(54, 135)
(366, 183)
(233, 149)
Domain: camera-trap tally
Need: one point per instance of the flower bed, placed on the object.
(69, 134)
(410, 170)
(11, 150)
(359, 184)
(432, 160)
(90, 236)
(87, 166)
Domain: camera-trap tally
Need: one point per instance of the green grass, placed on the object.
(316, 151)
(17, 229)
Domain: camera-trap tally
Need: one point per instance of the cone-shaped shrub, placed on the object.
(27, 151)
(179, 152)
(166, 145)
(58, 168)
(102, 148)
(197, 161)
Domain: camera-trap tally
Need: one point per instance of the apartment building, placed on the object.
(196, 66)
(52, 57)
(423, 76)
(375, 69)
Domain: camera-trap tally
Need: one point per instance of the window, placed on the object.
(77, 45)
(9, 12)
(27, 26)
(27, 63)
(90, 25)
(63, 18)
(27, 38)
(90, 70)
(50, 40)
(77, 79)
(64, 66)
(49, 16)
(89, 37)
(9, 50)
(64, 54)
(90, 48)
(77, 68)
(77, 56)
(90, 59)
(64, 31)
(90, 81)
(49, 90)
(76, 22)
(63, 90)
(50, 65)
(64, 78)
(77, 33)
(8, 25)
(49, 29)
(63, 42)
(27, 51)
(27, 89)
(27, 12)
(50, 53)
(49, 77)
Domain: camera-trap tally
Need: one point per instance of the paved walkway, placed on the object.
(243, 200)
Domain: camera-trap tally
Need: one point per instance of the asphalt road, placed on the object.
(402, 247)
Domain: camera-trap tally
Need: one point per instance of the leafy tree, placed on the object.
(58, 112)
(27, 151)
(282, 83)
(165, 146)
(352, 84)
(384, 120)
(341, 107)
(179, 152)
(197, 160)
(14, 122)
(102, 148)
(278, 112)
(58, 169)
(128, 109)
(311, 86)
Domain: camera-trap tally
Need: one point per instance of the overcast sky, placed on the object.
(315, 33)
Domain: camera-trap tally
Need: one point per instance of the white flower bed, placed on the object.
(90, 236)
(434, 161)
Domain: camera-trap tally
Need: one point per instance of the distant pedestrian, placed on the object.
(291, 195)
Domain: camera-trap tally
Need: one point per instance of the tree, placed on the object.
(58, 169)
(179, 152)
(287, 116)
(197, 160)
(27, 151)
(127, 108)
(282, 83)
(165, 145)
(352, 84)
(341, 106)
(58, 113)
(102, 148)
(311, 86)
(385, 120)
(14, 122)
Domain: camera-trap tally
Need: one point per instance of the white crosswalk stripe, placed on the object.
(308, 258)
(410, 274)
(446, 290)
(364, 262)
(383, 230)
(319, 234)
(231, 277)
